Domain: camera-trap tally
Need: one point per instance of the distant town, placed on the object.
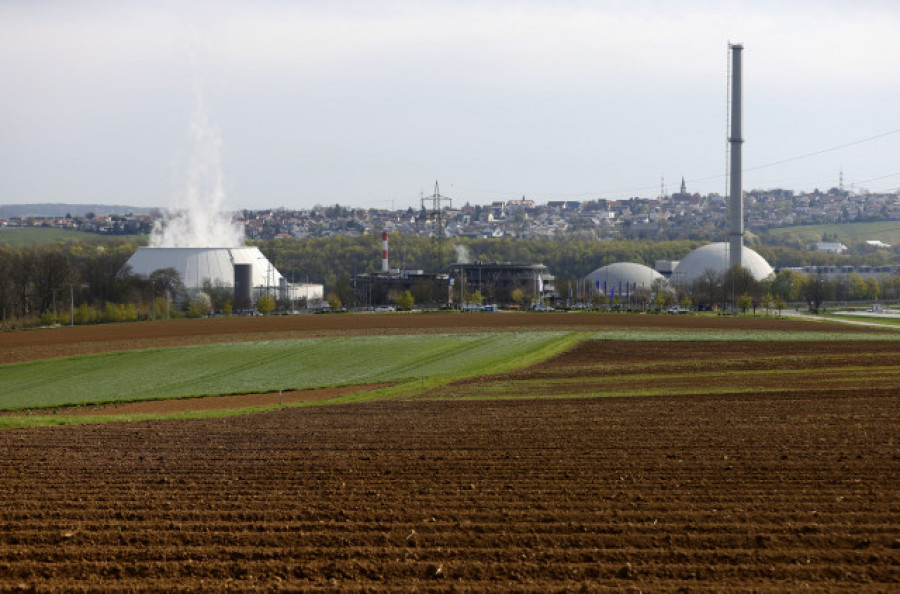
(682, 215)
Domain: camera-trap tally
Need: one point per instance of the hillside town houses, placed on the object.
(681, 215)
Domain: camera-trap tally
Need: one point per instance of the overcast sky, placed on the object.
(368, 103)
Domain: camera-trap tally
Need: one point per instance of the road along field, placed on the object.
(619, 464)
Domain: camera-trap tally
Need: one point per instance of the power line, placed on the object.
(703, 179)
(823, 151)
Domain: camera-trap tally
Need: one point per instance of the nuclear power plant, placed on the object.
(245, 269)
(716, 257)
(251, 274)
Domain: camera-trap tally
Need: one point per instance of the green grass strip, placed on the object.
(849, 317)
(411, 388)
(740, 336)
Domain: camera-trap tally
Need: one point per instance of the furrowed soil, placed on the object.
(610, 368)
(797, 488)
(752, 493)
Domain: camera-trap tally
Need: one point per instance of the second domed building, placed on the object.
(715, 257)
(626, 276)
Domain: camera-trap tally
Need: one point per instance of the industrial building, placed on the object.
(245, 269)
(496, 281)
(373, 289)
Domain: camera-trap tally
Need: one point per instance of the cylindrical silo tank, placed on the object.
(243, 286)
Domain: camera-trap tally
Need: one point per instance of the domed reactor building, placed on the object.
(198, 264)
(627, 277)
(244, 269)
(720, 257)
(717, 257)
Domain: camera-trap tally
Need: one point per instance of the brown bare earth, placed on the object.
(751, 493)
(602, 368)
(163, 407)
(793, 489)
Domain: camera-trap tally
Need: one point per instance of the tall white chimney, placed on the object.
(735, 191)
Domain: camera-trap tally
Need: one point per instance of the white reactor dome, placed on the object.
(715, 256)
(622, 273)
(194, 265)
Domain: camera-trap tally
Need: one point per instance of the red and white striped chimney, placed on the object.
(384, 251)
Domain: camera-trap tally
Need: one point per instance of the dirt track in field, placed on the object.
(79, 340)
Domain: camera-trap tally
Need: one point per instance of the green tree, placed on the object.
(168, 281)
(780, 304)
(744, 302)
(517, 296)
(342, 289)
(857, 286)
(219, 293)
(873, 288)
(265, 304)
(85, 314)
(334, 302)
(740, 281)
(788, 284)
(814, 291)
(200, 305)
(405, 301)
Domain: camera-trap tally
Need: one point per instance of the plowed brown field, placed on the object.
(777, 491)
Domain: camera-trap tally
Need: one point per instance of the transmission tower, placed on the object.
(435, 213)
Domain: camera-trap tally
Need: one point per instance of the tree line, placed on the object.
(40, 284)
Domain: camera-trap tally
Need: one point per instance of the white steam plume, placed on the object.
(462, 254)
(199, 218)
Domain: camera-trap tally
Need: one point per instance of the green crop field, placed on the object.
(267, 366)
(739, 335)
(886, 231)
(26, 236)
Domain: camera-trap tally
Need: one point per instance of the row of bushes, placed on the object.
(89, 314)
